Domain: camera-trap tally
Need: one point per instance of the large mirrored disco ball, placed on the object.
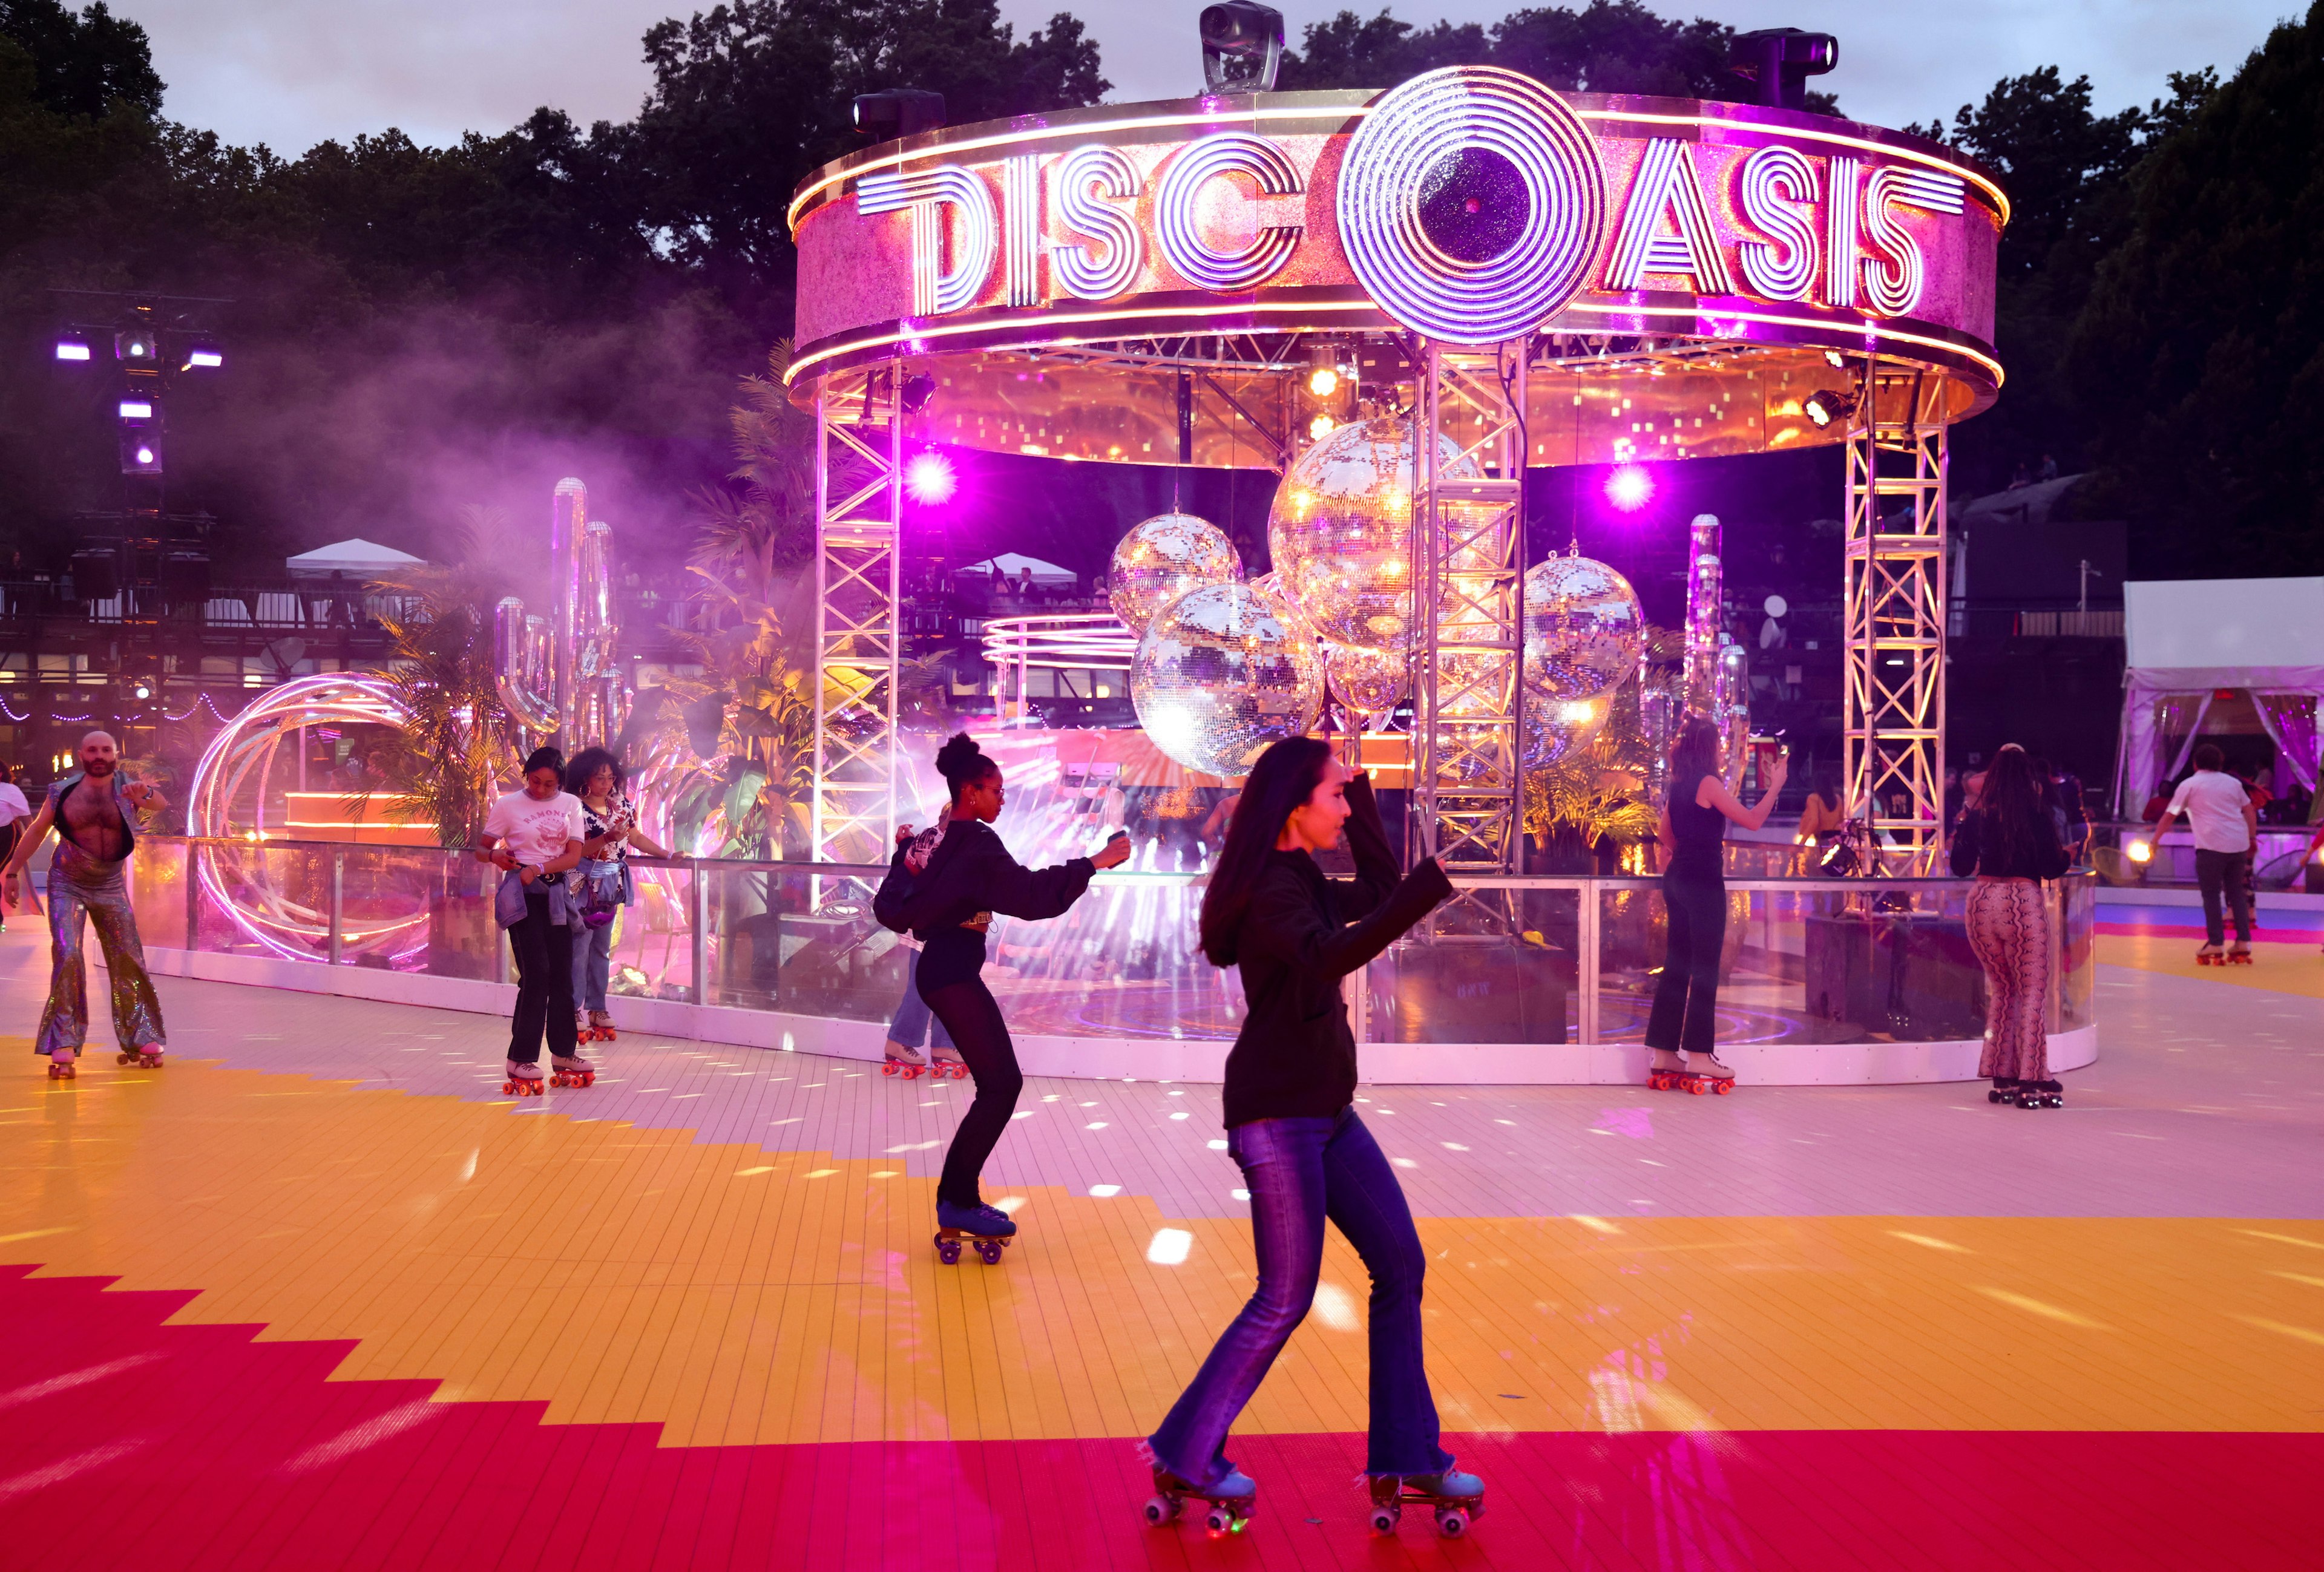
(1341, 531)
(1371, 682)
(1224, 672)
(1582, 628)
(1163, 558)
(1557, 730)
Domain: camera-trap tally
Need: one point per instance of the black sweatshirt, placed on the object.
(971, 873)
(1296, 1057)
(1973, 850)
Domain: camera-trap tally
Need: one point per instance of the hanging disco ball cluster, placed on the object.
(1583, 633)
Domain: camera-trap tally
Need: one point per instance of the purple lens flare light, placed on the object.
(930, 479)
(1630, 487)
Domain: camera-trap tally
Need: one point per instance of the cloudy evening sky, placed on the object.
(292, 72)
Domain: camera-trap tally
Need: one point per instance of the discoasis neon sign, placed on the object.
(1471, 204)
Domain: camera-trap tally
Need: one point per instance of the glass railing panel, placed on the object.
(263, 899)
(157, 891)
(1877, 961)
(1503, 966)
(653, 937)
(2076, 926)
(419, 909)
(1122, 962)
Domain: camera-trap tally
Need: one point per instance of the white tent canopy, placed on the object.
(1009, 563)
(358, 559)
(2187, 639)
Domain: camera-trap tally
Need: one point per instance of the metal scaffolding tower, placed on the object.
(859, 499)
(1894, 720)
(1468, 790)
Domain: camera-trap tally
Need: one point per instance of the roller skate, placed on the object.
(947, 1061)
(63, 1064)
(146, 1056)
(2041, 1094)
(570, 1070)
(2003, 1090)
(907, 1063)
(1666, 1072)
(986, 1229)
(601, 1022)
(581, 1030)
(1717, 1078)
(1457, 1499)
(523, 1080)
(1229, 1499)
(2240, 953)
(2209, 955)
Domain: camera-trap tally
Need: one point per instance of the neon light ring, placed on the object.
(237, 767)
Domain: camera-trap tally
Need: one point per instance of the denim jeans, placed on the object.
(593, 962)
(1301, 1171)
(913, 1017)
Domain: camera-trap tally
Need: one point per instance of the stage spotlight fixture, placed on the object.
(143, 691)
(1834, 359)
(1322, 371)
(917, 392)
(203, 357)
(898, 112)
(1321, 427)
(136, 346)
(1243, 47)
(71, 349)
(1630, 487)
(1779, 61)
(135, 410)
(930, 478)
(1824, 407)
(141, 452)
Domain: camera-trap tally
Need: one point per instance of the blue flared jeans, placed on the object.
(1301, 1173)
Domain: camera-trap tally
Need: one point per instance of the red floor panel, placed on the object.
(127, 1444)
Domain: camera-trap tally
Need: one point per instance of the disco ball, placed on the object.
(1582, 628)
(1341, 531)
(1371, 680)
(1558, 729)
(1224, 672)
(1163, 558)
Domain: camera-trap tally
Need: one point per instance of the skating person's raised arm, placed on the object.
(1286, 924)
(1034, 894)
(1377, 872)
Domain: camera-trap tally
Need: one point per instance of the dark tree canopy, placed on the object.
(82, 64)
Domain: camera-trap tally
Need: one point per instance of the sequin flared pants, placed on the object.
(83, 887)
(2009, 929)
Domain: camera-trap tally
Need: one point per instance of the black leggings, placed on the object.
(973, 1016)
(1686, 999)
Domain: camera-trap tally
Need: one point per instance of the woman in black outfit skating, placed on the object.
(943, 888)
(1292, 1128)
(1685, 1017)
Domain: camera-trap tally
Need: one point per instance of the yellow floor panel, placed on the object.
(733, 1295)
(2297, 968)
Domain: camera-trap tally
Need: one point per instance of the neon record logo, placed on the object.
(1471, 203)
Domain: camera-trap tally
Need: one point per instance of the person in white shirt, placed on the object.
(532, 836)
(14, 811)
(2226, 828)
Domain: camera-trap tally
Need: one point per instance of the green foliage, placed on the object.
(1606, 46)
(84, 64)
(460, 746)
(1599, 792)
(2199, 357)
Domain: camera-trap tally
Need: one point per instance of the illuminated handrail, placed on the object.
(1066, 641)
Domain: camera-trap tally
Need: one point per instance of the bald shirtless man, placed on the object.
(92, 813)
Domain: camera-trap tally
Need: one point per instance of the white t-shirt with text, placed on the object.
(2213, 802)
(536, 831)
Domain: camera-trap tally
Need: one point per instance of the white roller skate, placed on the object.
(570, 1070)
(146, 1056)
(523, 1080)
(63, 1064)
(904, 1062)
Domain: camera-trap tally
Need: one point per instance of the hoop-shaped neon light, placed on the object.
(242, 756)
(1413, 130)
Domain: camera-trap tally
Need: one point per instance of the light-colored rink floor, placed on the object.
(673, 1314)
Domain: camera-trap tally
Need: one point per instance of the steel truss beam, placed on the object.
(1468, 787)
(859, 499)
(1894, 720)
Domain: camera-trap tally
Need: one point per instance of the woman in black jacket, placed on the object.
(1292, 1128)
(2010, 841)
(943, 888)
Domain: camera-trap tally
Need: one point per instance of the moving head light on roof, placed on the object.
(1243, 47)
(898, 112)
(1780, 60)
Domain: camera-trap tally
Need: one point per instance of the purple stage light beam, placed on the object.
(1630, 487)
(930, 479)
